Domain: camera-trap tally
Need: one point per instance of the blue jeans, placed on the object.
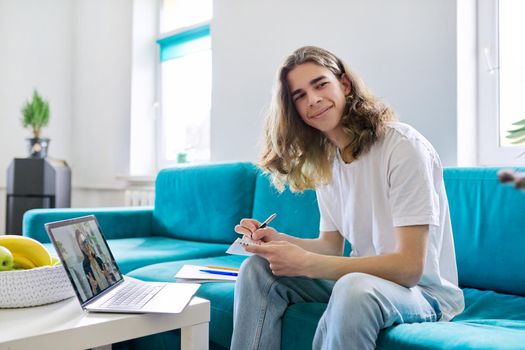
(359, 306)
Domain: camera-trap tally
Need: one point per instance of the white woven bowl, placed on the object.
(38, 286)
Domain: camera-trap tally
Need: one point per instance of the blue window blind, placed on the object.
(185, 43)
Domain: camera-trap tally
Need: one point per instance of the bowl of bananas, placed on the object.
(29, 275)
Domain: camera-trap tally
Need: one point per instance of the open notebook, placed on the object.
(237, 248)
(201, 274)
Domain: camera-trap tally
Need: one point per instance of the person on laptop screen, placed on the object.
(95, 269)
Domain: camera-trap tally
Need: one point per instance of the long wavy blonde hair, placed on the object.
(301, 156)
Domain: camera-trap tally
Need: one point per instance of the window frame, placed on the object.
(179, 36)
(490, 153)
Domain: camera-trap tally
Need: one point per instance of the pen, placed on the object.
(267, 221)
(264, 223)
(225, 273)
(223, 268)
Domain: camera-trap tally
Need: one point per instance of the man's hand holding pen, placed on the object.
(285, 258)
(256, 231)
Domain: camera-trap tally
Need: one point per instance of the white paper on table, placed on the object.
(193, 273)
(237, 248)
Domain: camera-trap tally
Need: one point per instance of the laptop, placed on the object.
(98, 283)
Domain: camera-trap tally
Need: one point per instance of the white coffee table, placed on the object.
(64, 325)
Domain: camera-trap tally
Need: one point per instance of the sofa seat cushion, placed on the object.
(490, 321)
(133, 253)
(220, 294)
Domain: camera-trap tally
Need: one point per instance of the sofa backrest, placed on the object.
(297, 213)
(203, 203)
(488, 222)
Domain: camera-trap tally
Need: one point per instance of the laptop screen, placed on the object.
(85, 255)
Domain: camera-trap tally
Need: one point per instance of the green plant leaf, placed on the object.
(519, 141)
(514, 134)
(516, 130)
(35, 113)
(521, 122)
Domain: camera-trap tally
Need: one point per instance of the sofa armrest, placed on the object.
(115, 222)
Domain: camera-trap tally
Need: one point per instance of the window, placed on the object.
(185, 82)
(501, 81)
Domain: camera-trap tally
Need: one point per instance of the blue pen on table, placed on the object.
(224, 273)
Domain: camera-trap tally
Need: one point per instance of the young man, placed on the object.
(379, 185)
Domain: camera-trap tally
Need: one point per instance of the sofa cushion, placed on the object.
(300, 319)
(490, 321)
(488, 223)
(115, 222)
(203, 203)
(297, 213)
(220, 294)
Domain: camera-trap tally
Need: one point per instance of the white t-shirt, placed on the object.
(399, 182)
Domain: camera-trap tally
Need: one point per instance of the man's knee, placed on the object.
(254, 266)
(354, 289)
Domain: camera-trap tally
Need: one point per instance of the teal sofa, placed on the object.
(197, 207)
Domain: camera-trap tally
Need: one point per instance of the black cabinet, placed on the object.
(35, 183)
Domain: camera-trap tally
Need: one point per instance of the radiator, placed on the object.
(139, 197)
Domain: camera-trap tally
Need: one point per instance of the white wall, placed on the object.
(77, 53)
(35, 52)
(101, 90)
(467, 94)
(405, 51)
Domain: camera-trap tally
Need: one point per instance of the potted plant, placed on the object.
(516, 137)
(35, 115)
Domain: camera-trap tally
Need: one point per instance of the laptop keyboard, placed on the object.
(132, 295)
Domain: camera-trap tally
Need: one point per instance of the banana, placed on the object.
(28, 248)
(21, 262)
(55, 261)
